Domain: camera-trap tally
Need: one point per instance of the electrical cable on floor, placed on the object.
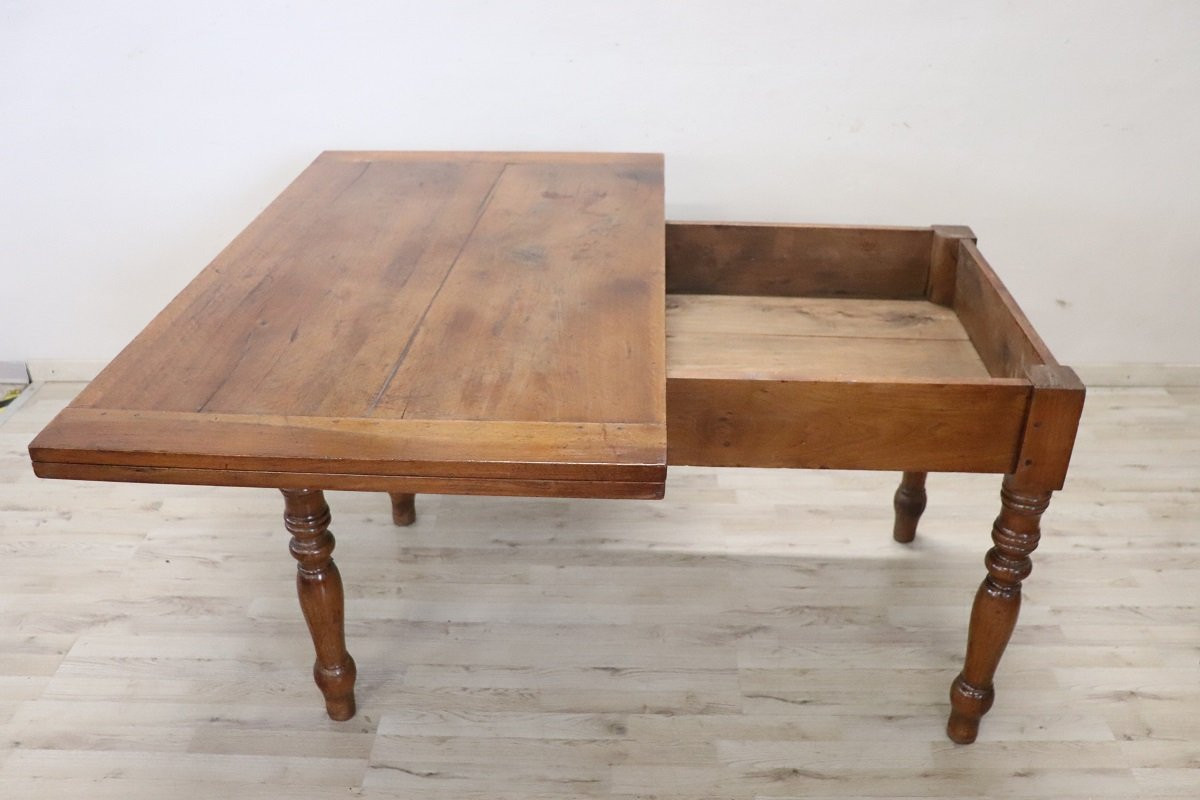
(9, 396)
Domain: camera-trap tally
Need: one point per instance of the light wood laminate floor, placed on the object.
(756, 634)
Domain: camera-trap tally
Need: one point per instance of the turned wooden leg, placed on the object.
(1015, 534)
(320, 588)
(909, 503)
(404, 509)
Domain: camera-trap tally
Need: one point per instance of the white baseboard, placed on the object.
(1139, 374)
(54, 369)
(13, 372)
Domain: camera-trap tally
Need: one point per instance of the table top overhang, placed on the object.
(466, 322)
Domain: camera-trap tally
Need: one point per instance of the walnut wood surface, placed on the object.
(943, 264)
(797, 260)
(927, 426)
(789, 338)
(404, 509)
(480, 449)
(387, 303)
(826, 317)
(1051, 426)
(319, 586)
(997, 603)
(908, 503)
(267, 479)
(1052, 420)
(1004, 337)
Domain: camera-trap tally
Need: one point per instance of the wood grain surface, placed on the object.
(797, 260)
(943, 265)
(1000, 331)
(833, 383)
(918, 426)
(384, 299)
(1051, 426)
(789, 338)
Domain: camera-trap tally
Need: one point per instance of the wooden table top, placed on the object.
(485, 323)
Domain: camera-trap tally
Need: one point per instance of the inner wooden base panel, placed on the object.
(796, 338)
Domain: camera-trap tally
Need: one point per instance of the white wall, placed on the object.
(138, 137)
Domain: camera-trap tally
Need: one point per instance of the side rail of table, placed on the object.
(872, 348)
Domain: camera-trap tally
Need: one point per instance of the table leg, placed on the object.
(909, 503)
(404, 509)
(1015, 534)
(319, 586)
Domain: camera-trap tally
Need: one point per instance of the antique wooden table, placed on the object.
(528, 324)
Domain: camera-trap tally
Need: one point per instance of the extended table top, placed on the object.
(486, 323)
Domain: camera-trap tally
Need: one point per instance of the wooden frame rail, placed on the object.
(1021, 420)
